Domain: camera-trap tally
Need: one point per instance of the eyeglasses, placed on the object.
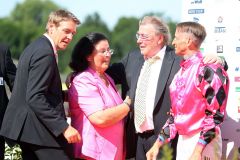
(142, 36)
(106, 52)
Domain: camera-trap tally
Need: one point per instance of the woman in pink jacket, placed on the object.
(96, 108)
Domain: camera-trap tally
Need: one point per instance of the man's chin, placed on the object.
(143, 53)
(62, 47)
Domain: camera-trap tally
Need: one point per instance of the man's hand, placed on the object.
(153, 152)
(72, 135)
(197, 153)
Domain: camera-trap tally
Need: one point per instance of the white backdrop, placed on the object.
(221, 19)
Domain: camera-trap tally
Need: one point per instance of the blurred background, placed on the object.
(22, 21)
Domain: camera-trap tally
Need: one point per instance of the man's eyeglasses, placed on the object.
(106, 52)
(142, 36)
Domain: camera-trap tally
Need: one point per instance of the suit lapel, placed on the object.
(164, 74)
(135, 75)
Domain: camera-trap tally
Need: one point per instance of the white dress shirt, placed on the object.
(151, 91)
(53, 45)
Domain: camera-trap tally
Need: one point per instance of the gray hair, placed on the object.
(160, 26)
(194, 29)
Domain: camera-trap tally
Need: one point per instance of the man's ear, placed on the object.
(50, 27)
(190, 43)
(161, 39)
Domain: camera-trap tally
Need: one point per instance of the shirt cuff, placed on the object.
(160, 138)
(202, 142)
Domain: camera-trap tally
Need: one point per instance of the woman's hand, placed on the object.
(127, 101)
(69, 79)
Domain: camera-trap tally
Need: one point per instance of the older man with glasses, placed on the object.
(145, 75)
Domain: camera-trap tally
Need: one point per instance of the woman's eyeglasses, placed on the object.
(106, 52)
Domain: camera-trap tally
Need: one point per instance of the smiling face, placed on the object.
(181, 43)
(188, 38)
(62, 34)
(99, 60)
(148, 40)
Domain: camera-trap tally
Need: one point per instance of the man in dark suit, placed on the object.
(7, 75)
(35, 116)
(153, 38)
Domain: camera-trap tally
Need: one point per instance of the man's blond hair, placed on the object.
(61, 15)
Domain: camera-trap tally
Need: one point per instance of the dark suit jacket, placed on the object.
(7, 73)
(35, 113)
(127, 72)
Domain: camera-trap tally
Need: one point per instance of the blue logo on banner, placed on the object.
(237, 49)
(195, 11)
(220, 29)
(196, 2)
(237, 69)
(195, 19)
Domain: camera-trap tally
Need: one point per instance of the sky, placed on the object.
(109, 10)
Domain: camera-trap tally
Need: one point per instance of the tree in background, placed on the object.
(124, 37)
(28, 19)
(25, 23)
(10, 34)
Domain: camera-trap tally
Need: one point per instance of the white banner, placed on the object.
(221, 18)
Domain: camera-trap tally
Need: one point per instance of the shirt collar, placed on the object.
(193, 59)
(52, 43)
(160, 54)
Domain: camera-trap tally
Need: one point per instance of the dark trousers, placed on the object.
(35, 152)
(145, 142)
(2, 147)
